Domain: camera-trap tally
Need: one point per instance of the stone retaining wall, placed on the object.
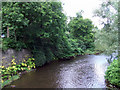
(8, 55)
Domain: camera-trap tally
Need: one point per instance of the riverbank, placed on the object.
(14, 71)
(74, 73)
(13, 78)
(111, 86)
(112, 75)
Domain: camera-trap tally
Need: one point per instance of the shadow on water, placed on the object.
(82, 72)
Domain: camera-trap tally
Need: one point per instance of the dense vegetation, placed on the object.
(82, 30)
(42, 27)
(113, 73)
(107, 39)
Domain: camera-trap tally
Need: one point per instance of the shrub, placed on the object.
(49, 55)
(39, 56)
(10, 43)
(113, 73)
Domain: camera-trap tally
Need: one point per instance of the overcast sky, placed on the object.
(88, 6)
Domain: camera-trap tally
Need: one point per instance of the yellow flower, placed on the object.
(22, 68)
(13, 59)
(28, 68)
(25, 65)
(13, 66)
(2, 66)
(3, 57)
(33, 59)
(14, 63)
(34, 66)
(8, 68)
(2, 81)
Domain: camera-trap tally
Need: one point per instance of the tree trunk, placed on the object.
(15, 36)
(7, 32)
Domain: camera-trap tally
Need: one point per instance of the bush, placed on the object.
(113, 73)
(10, 43)
(89, 52)
(39, 56)
(49, 55)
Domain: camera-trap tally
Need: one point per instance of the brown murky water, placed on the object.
(82, 72)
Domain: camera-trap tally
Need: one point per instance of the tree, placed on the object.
(81, 29)
(42, 31)
(107, 38)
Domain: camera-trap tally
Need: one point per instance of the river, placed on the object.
(85, 71)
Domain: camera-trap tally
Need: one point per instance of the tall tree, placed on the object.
(81, 29)
(42, 31)
(107, 38)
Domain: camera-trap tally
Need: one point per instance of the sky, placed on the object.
(71, 7)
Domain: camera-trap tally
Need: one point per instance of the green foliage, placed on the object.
(113, 73)
(106, 41)
(49, 54)
(40, 57)
(81, 29)
(107, 38)
(44, 30)
(14, 69)
(9, 43)
(88, 52)
(14, 18)
(76, 47)
(13, 78)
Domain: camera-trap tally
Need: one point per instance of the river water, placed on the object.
(82, 72)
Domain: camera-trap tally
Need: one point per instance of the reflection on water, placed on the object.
(82, 72)
(88, 73)
(100, 65)
(100, 68)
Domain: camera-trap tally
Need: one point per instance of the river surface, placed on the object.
(82, 72)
